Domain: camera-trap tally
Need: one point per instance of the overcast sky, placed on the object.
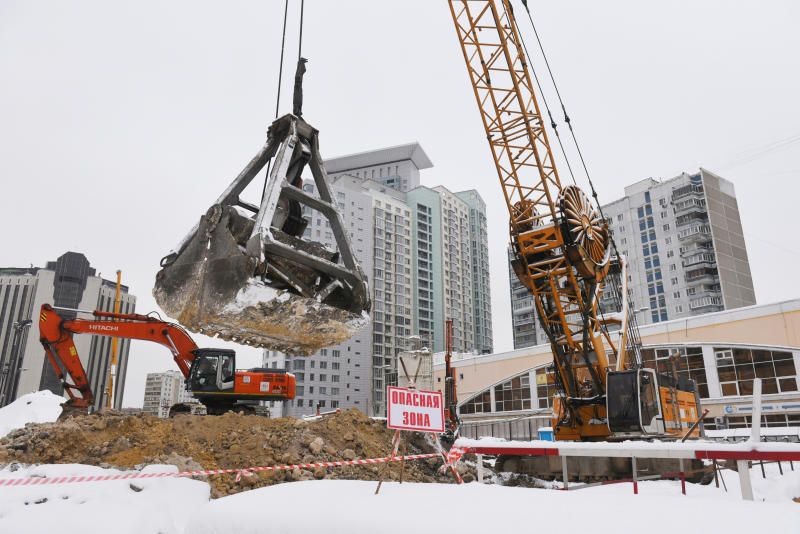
(120, 122)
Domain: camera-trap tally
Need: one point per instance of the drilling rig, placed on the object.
(564, 253)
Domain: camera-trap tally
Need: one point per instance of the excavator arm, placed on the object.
(56, 338)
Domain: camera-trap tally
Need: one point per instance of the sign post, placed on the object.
(410, 409)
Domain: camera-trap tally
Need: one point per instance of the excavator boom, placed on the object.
(216, 383)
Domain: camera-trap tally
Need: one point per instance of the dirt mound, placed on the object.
(218, 442)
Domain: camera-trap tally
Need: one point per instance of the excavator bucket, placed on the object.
(246, 274)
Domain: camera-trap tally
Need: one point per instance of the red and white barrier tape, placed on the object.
(248, 471)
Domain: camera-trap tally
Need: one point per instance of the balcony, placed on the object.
(702, 275)
(688, 205)
(705, 302)
(699, 216)
(687, 190)
(695, 233)
(706, 258)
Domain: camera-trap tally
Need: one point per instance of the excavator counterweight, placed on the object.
(245, 273)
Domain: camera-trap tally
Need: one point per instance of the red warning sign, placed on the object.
(410, 409)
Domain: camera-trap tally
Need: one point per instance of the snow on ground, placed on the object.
(161, 505)
(178, 505)
(774, 489)
(37, 407)
(349, 506)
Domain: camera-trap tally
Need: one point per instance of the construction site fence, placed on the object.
(513, 429)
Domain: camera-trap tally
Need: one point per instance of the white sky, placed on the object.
(120, 122)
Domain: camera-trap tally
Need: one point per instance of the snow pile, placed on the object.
(121, 506)
(179, 505)
(254, 293)
(771, 488)
(351, 506)
(647, 449)
(38, 407)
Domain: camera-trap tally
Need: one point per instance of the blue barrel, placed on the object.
(546, 434)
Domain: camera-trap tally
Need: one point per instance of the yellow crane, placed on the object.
(563, 251)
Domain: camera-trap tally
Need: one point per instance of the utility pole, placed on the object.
(112, 368)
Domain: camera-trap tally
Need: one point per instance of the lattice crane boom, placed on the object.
(561, 243)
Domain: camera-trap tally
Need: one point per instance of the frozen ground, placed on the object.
(38, 407)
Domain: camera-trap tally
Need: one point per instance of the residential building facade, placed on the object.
(71, 283)
(162, 391)
(414, 244)
(526, 327)
(481, 276)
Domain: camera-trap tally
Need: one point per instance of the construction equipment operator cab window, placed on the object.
(226, 372)
(212, 370)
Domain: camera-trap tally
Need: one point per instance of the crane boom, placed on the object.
(562, 250)
(560, 242)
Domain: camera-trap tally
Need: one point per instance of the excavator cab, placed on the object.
(212, 370)
(247, 273)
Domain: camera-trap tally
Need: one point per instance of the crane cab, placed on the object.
(641, 402)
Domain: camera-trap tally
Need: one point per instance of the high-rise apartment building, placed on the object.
(162, 391)
(685, 246)
(414, 244)
(479, 256)
(69, 282)
(526, 327)
(443, 269)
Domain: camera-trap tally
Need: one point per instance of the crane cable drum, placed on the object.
(634, 342)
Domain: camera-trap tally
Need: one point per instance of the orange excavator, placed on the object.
(210, 374)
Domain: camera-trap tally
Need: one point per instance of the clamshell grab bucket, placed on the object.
(246, 274)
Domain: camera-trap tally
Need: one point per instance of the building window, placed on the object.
(545, 388)
(512, 395)
(686, 361)
(738, 367)
(478, 404)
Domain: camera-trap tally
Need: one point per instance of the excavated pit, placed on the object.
(194, 442)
